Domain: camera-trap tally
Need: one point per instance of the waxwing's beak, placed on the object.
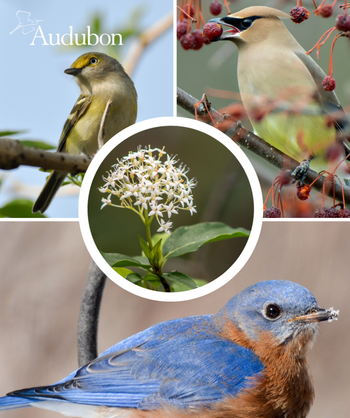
(318, 315)
(73, 71)
(232, 32)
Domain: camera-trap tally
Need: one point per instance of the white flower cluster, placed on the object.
(150, 186)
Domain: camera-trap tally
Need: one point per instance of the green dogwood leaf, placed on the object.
(187, 239)
(180, 278)
(121, 260)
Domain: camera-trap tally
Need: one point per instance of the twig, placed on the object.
(89, 314)
(257, 145)
(13, 154)
(144, 39)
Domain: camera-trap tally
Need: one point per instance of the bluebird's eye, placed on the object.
(273, 311)
(93, 60)
(247, 23)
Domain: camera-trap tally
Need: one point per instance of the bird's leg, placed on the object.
(299, 173)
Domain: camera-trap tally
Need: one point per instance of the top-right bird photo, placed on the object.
(273, 76)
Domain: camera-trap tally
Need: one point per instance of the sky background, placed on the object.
(38, 96)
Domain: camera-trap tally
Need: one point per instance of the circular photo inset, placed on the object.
(170, 209)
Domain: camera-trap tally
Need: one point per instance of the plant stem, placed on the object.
(148, 230)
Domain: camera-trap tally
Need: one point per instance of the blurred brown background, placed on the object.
(43, 266)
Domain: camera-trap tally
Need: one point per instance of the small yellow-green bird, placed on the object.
(100, 78)
(273, 66)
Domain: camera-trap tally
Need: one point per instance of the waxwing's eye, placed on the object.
(93, 60)
(273, 311)
(247, 23)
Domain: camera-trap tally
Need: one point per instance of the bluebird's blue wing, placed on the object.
(182, 363)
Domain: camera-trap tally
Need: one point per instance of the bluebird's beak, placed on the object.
(230, 22)
(73, 71)
(318, 315)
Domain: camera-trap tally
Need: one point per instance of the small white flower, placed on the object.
(142, 201)
(182, 198)
(165, 226)
(170, 209)
(156, 210)
(106, 202)
(191, 208)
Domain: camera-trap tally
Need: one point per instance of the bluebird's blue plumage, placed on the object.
(249, 360)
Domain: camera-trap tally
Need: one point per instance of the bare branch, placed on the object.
(13, 154)
(257, 145)
(145, 38)
(89, 314)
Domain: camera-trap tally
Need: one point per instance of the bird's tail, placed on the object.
(53, 183)
(13, 402)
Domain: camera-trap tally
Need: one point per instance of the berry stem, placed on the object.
(226, 5)
(319, 43)
(331, 54)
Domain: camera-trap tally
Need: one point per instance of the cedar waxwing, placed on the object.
(100, 78)
(273, 66)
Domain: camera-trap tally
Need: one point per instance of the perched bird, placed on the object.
(248, 360)
(273, 69)
(100, 78)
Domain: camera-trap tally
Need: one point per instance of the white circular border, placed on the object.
(257, 217)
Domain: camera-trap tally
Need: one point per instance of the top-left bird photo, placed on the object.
(80, 73)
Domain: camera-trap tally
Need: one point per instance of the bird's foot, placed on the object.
(299, 173)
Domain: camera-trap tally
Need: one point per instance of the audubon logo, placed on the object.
(67, 39)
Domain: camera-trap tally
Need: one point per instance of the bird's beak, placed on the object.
(73, 71)
(233, 32)
(318, 315)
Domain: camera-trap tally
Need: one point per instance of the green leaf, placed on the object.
(19, 208)
(187, 239)
(152, 278)
(145, 247)
(134, 278)
(9, 133)
(180, 278)
(122, 271)
(156, 254)
(37, 144)
(121, 260)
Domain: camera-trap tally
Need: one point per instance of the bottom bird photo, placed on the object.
(245, 350)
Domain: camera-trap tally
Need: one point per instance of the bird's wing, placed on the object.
(181, 363)
(78, 110)
(329, 100)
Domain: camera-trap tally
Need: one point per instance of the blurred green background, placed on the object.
(223, 194)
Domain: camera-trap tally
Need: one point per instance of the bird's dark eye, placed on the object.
(247, 23)
(93, 60)
(273, 311)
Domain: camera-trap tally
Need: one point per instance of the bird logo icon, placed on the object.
(25, 23)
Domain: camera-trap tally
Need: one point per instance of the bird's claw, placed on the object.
(299, 173)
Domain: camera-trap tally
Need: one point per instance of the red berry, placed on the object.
(344, 213)
(215, 8)
(303, 192)
(181, 28)
(212, 30)
(328, 83)
(326, 213)
(342, 22)
(326, 10)
(272, 212)
(299, 14)
(199, 37)
(320, 213)
(187, 41)
(188, 9)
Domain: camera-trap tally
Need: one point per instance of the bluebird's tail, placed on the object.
(14, 402)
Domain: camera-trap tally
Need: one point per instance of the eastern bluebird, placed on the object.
(249, 360)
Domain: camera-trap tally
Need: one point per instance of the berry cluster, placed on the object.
(190, 12)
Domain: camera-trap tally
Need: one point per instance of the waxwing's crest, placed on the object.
(261, 11)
